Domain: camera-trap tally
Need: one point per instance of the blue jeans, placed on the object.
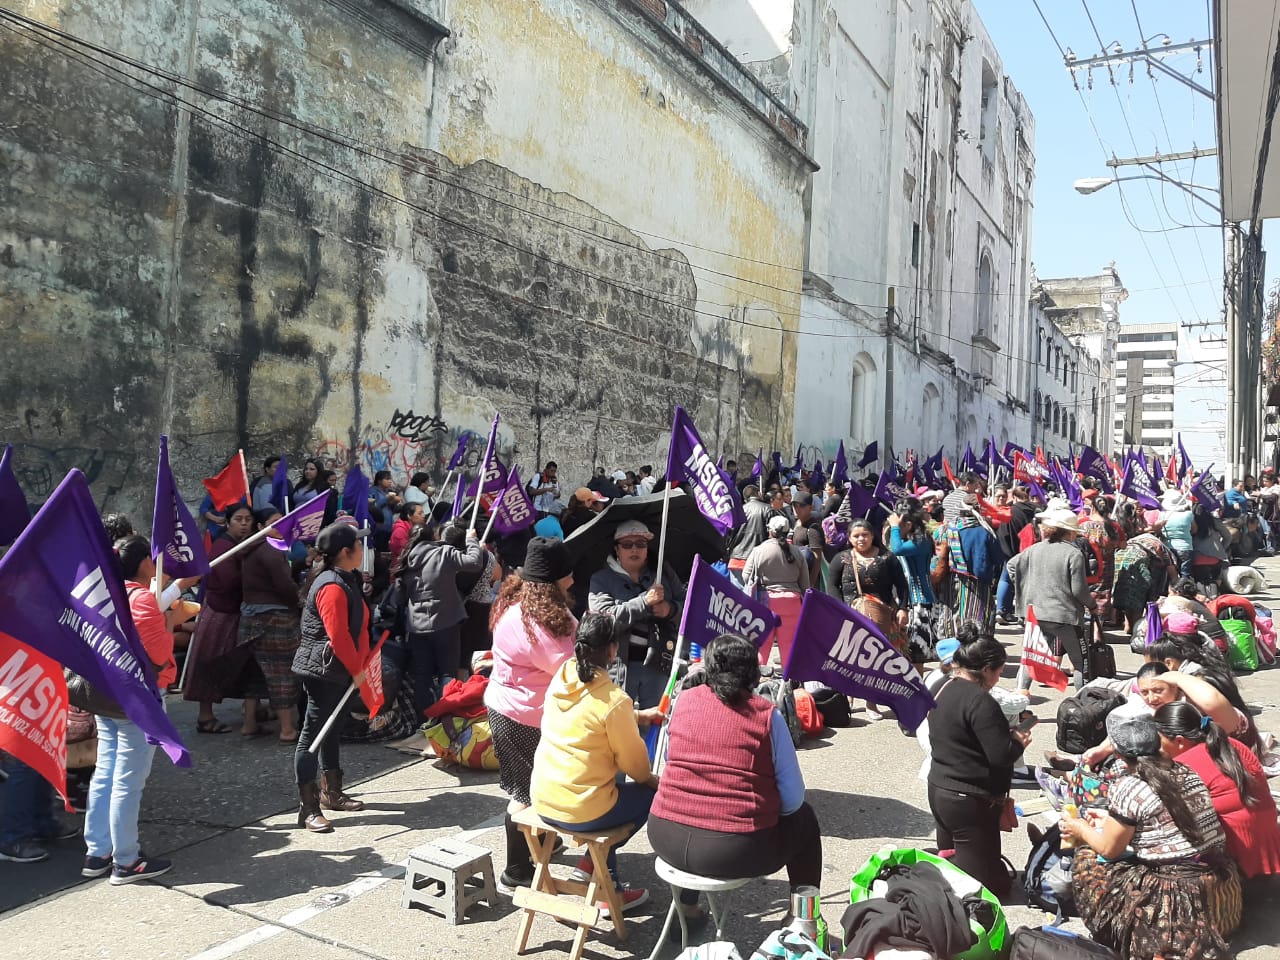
(323, 698)
(28, 805)
(1004, 594)
(632, 806)
(115, 795)
(645, 684)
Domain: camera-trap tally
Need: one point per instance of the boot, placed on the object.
(331, 795)
(309, 814)
(519, 869)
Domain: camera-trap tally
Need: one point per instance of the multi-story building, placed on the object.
(1086, 310)
(1068, 390)
(913, 326)
(1146, 356)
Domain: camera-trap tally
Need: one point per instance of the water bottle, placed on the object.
(806, 912)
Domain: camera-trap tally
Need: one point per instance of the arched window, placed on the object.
(931, 417)
(1072, 431)
(1048, 411)
(1057, 419)
(1037, 412)
(864, 402)
(985, 281)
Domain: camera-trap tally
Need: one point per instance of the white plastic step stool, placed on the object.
(449, 876)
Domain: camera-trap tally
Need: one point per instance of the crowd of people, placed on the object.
(576, 672)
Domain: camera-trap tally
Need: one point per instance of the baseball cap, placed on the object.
(340, 535)
(619, 475)
(587, 495)
(632, 528)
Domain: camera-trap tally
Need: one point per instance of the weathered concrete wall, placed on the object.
(495, 240)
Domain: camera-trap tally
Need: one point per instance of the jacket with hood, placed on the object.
(615, 593)
(435, 602)
(756, 529)
(589, 736)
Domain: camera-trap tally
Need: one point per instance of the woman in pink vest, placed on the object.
(731, 800)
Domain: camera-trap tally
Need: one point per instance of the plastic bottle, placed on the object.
(1069, 809)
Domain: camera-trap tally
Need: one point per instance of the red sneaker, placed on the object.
(582, 872)
(631, 897)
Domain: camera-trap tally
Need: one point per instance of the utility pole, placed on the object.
(888, 373)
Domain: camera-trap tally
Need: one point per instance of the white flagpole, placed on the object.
(443, 488)
(493, 515)
(333, 718)
(246, 542)
(662, 533)
(159, 579)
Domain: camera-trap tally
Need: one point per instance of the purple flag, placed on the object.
(1184, 462)
(459, 498)
(14, 512)
(995, 458)
(847, 652)
(840, 468)
(302, 523)
(280, 486)
(817, 479)
(174, 533)
(688, 461)
(758, 470)
(798, 466)
(459, 454)
(870, 454)
(493, 475)
(1067, 483)
(355, 496)
(60, 594)
(968, 461)
(714, 604)
(859, 501)
(1137, 484)
(513, 510)
(888, 491)
(1207, 490)
(1155, 629)
(495, 478)
(777, 462)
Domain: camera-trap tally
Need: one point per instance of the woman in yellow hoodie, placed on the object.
(590, 735)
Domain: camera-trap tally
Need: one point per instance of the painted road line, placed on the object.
(324, 903)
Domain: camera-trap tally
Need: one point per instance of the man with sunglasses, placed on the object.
(645, 611)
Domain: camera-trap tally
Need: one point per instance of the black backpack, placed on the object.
(1050, 943)
(1046, 853)
(1082, 719)
(833, 706)
(783, 696)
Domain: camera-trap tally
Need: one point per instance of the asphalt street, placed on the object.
(248, 884)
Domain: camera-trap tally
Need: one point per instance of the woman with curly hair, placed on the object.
(533, 634)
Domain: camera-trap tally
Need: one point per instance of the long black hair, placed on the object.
(595, 633)
(1213, 668)
(1182, 719)
(1164, 777)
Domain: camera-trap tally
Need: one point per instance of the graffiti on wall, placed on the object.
(40, 469)
(410, 443)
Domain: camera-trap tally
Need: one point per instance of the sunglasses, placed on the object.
(633, 544)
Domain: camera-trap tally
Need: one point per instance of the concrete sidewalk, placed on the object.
(248, 884)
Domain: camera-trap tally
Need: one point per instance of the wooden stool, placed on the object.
(544, 895)
(449, 876)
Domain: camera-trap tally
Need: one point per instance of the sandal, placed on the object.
(213, 725)
(258, 731)
(293, 739)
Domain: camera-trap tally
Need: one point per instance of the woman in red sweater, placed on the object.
(331, 655)
(1237, 784)
(730, 803)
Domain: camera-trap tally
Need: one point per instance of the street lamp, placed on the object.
(1089, 185)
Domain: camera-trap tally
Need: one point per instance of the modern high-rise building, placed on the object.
(1146, 355)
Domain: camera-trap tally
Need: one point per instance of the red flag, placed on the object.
(946, 466)
(1041, 458)
(33, 711)
(371, 691)
(1171, 472)
(230, 485)
(1039, 660)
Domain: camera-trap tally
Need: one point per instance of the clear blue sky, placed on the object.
(1172, 274)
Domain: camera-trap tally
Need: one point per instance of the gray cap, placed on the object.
(1133, 736)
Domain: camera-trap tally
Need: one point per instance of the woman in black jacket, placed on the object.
(331, 655)
(973, 756)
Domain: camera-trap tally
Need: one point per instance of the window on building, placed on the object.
(1036, 412)
(1057, 419)
(931, 416)
(864, 402)
(1039, 345)
(1071, 430)
(986, 282)
(989, 113)
(915, 244)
